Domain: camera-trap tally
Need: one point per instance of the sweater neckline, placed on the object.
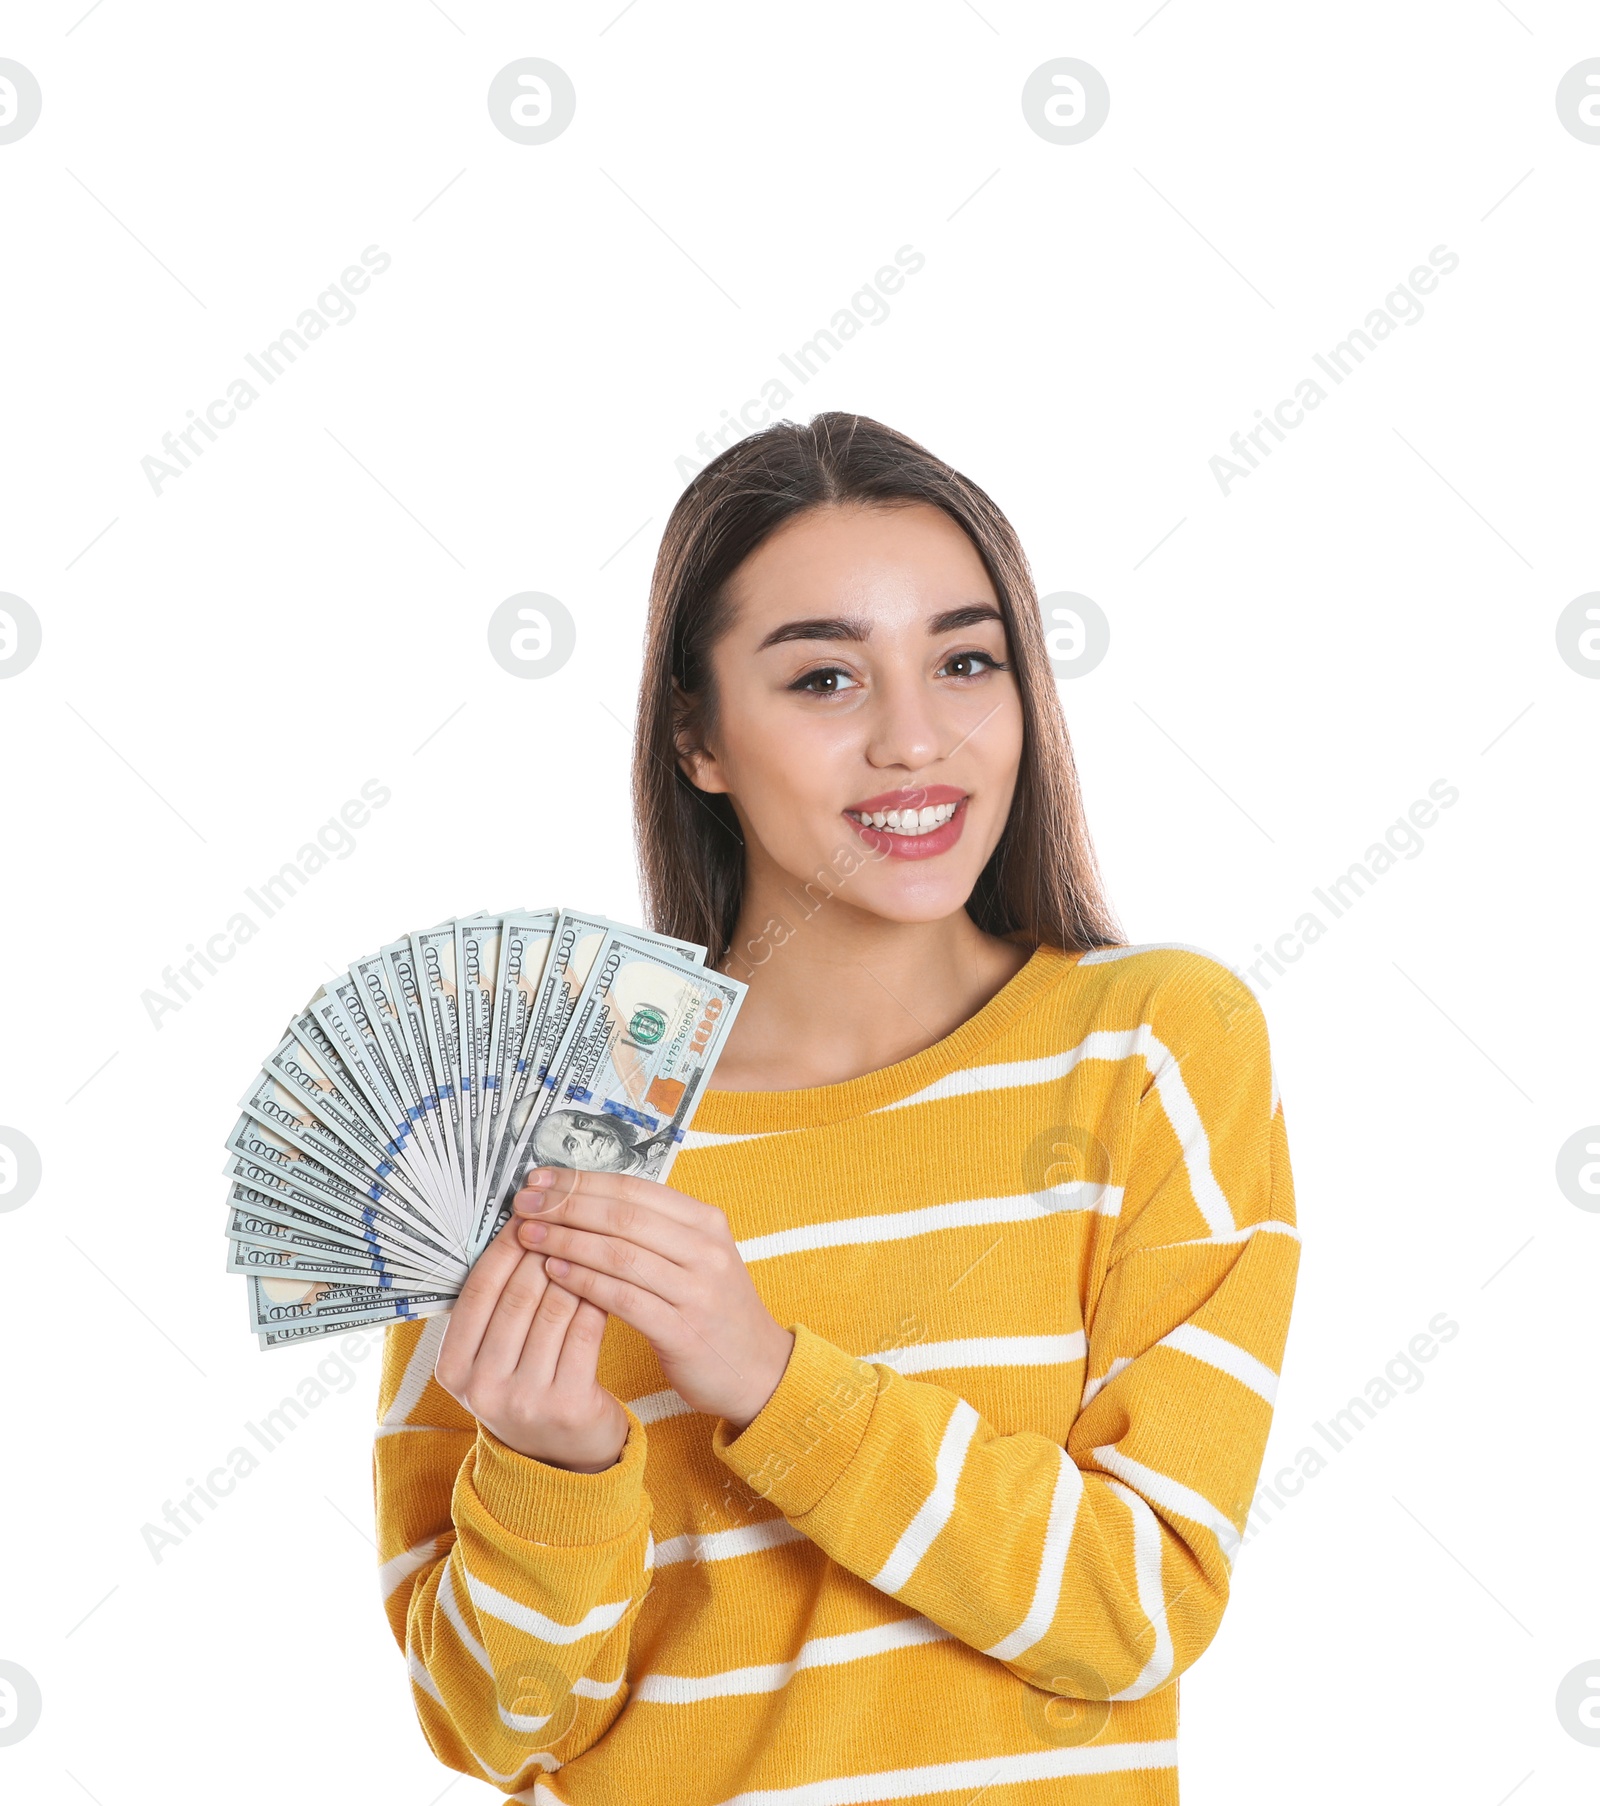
(816, 1106)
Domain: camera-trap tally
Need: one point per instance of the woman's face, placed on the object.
(868, 725)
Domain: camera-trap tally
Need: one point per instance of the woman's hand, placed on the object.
(666, 1264)
(520, 1354)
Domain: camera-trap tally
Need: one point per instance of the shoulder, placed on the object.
(1177, 980)
(1156, 984)
(1144, 1004)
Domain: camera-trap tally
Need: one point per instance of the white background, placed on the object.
(305, 609)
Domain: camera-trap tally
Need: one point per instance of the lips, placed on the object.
(916, 797)
(892, 840)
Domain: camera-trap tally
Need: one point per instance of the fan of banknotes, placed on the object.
(385, 1135)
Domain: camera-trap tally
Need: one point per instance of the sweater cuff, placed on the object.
(545, 1504)
(805, 1435)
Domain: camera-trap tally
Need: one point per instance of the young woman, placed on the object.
(900, 1447)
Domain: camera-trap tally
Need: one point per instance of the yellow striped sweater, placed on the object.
(1039, 1277)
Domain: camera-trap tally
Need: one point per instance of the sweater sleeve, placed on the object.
(510, 1585)
(1098, 1570)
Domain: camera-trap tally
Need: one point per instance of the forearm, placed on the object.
(511, 1585)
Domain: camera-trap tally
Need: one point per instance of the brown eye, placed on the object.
(830, 681)
(971, 664)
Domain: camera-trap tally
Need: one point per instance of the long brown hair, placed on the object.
(1041, 883)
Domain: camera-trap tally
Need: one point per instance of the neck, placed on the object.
(836, 992)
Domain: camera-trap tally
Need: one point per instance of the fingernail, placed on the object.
(534, 1232)
(540, 1176)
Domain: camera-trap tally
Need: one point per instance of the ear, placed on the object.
(695, 759)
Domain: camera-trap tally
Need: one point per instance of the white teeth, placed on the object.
(908, 821)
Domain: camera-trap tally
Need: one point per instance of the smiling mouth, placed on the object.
(909, 822)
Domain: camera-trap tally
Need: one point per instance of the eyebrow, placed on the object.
(851, 627)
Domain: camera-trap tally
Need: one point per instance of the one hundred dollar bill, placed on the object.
(525, 939)
(577, 938)
(643, 1035)
(261, 1242)
(267, 1161)
(277, 1303)
(435, 950)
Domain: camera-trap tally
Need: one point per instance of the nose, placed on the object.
(905, 731)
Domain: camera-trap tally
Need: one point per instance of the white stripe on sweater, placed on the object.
(1229, 1357)
(1102, 956)
(967, 1778)
(934, 1512)
(446, 1597)
(913, 1357)
(1091, 1387)
(525, 1722)
(770, 1677)
(424, 1680)
(1173, 1496)
(1191, 1134)
(1152, 1593)
(1215, 1351)
(1064, 1501)
(653, 1406)
(930, 1219)
(724, 1545)
(525, 1618)
(421, 1678)
(401, 1567)
(985, 1351)
(1267, 1226)
(513, 1721)
(540, 1759)
(1008, 1075)
(419, 1370)
(704, 1138)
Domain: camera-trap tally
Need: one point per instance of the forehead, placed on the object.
(888, 565)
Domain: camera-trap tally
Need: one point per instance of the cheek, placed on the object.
(788, 764)
(998, 751)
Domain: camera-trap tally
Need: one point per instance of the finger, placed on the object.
(580, 1352)
(655, 1319)
(513, 1315)
(566, 1184)
(469, 1316)
(552, 1323)
(613, 1254)
(633, 1216)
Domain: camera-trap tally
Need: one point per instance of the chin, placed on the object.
(928, 899)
